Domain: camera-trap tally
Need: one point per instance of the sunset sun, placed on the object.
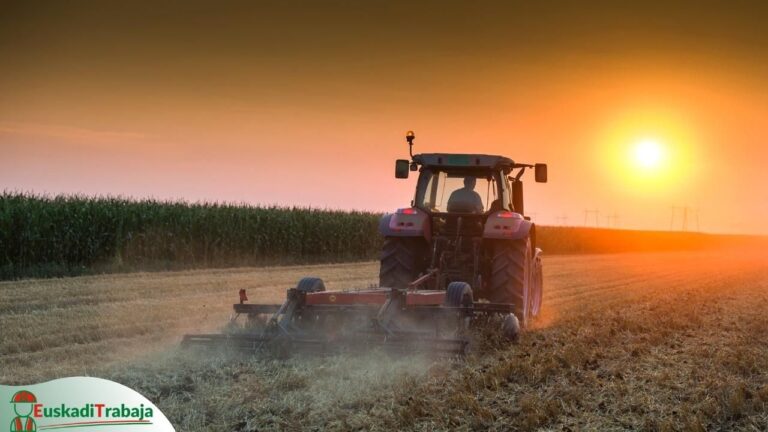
(648, 153)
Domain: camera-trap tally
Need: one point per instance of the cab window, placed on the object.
(442, 192)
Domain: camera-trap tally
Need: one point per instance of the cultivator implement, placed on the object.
(311, 318)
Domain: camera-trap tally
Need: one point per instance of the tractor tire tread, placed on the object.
(507, 281)
(400, 261)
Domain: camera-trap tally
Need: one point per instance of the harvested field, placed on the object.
(653, 341)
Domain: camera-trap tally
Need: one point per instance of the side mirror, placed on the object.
(402, 168)
(541, 173)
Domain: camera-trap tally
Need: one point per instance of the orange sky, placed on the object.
(307, 103)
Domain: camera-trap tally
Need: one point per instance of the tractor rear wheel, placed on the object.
(511, 278)
(402, 261)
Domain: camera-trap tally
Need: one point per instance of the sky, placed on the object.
(307, 102)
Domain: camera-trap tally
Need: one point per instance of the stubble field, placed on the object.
(647, 341)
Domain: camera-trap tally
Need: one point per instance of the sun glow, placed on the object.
(648, 153)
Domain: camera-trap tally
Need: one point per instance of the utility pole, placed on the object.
(688, 214)
(588, 213)
(612, 220)
(672, 220)
(698, 229)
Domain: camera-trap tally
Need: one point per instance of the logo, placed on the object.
(23, 405)
(79, 403)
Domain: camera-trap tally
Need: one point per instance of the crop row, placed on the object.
(43, 236)
(48, 236)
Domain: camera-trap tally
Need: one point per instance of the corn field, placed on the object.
(44, 236)
(56, 236)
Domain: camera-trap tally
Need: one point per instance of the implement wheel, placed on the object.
(458, 294)
(310, 285)
(510, 328)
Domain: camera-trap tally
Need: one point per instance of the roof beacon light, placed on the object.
(410, 136)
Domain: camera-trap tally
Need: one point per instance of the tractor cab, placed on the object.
(465, 177)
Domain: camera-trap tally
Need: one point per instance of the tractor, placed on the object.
(463, 250)
(466, 223)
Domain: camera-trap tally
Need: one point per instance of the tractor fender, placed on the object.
(408, 222)
(507, 225)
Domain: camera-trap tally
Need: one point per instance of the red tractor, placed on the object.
(466, 224)
(462, 251)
